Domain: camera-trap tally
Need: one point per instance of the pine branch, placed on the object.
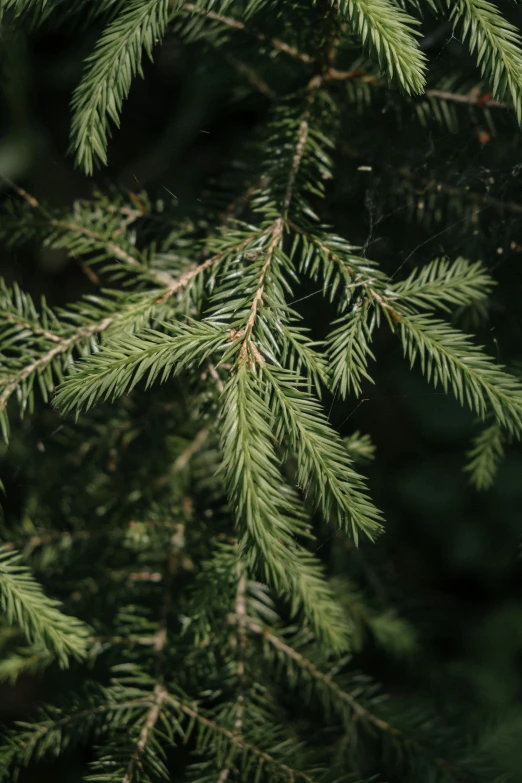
(333, 259)
(72, 233)
(107, 80)
(360, 447)
(349, 349)
(387, 32)
(19, 8)
(485, 456)
(267, 512)
(151, 718)
(15, 381)
(442, 283)
(91, 712)
(123, 362)
(248, 347)
(480, 199)
(24, 602)
(497, 46)
(241, 643)
(236, 24)
(277, 767)
(322, 460)
(448, 357)
(349, 706)
(45, 358)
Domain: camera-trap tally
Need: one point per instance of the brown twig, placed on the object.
(160, 695)
(245, 334)
(472, 98)
(250, 75)
(235, 24)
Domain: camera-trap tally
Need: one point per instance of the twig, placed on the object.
(112, 248)
(366, 284)
(472, 98)
(160, 694)
(214, 373)
(250, 75)
(245, 334)
(36, 365)
(185, 457)
(229, 21)
(36, 330)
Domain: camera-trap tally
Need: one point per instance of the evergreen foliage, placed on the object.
(206, 468)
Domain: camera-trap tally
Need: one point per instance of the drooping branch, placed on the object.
(357, 709)
(238, 742)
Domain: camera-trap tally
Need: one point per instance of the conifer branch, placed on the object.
(238, 742)
(497, 45)
(151, 718)
(441, 284)
(236, 24)
(322, 459)
(388, 33)
(211, 296)
(111, 247)
(448, 357)
(14, 382)
(107, 80)
(24, 602)
(55, 729)
(241, 619)
(248, 347)
(349, 349)
(485, 455)
(267, 512)
(121, 364)
(356, 708)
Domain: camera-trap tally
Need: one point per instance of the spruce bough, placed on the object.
(217, 608)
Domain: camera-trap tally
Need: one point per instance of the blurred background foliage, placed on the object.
(415, 181)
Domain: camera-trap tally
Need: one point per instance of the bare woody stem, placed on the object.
(235, 24)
